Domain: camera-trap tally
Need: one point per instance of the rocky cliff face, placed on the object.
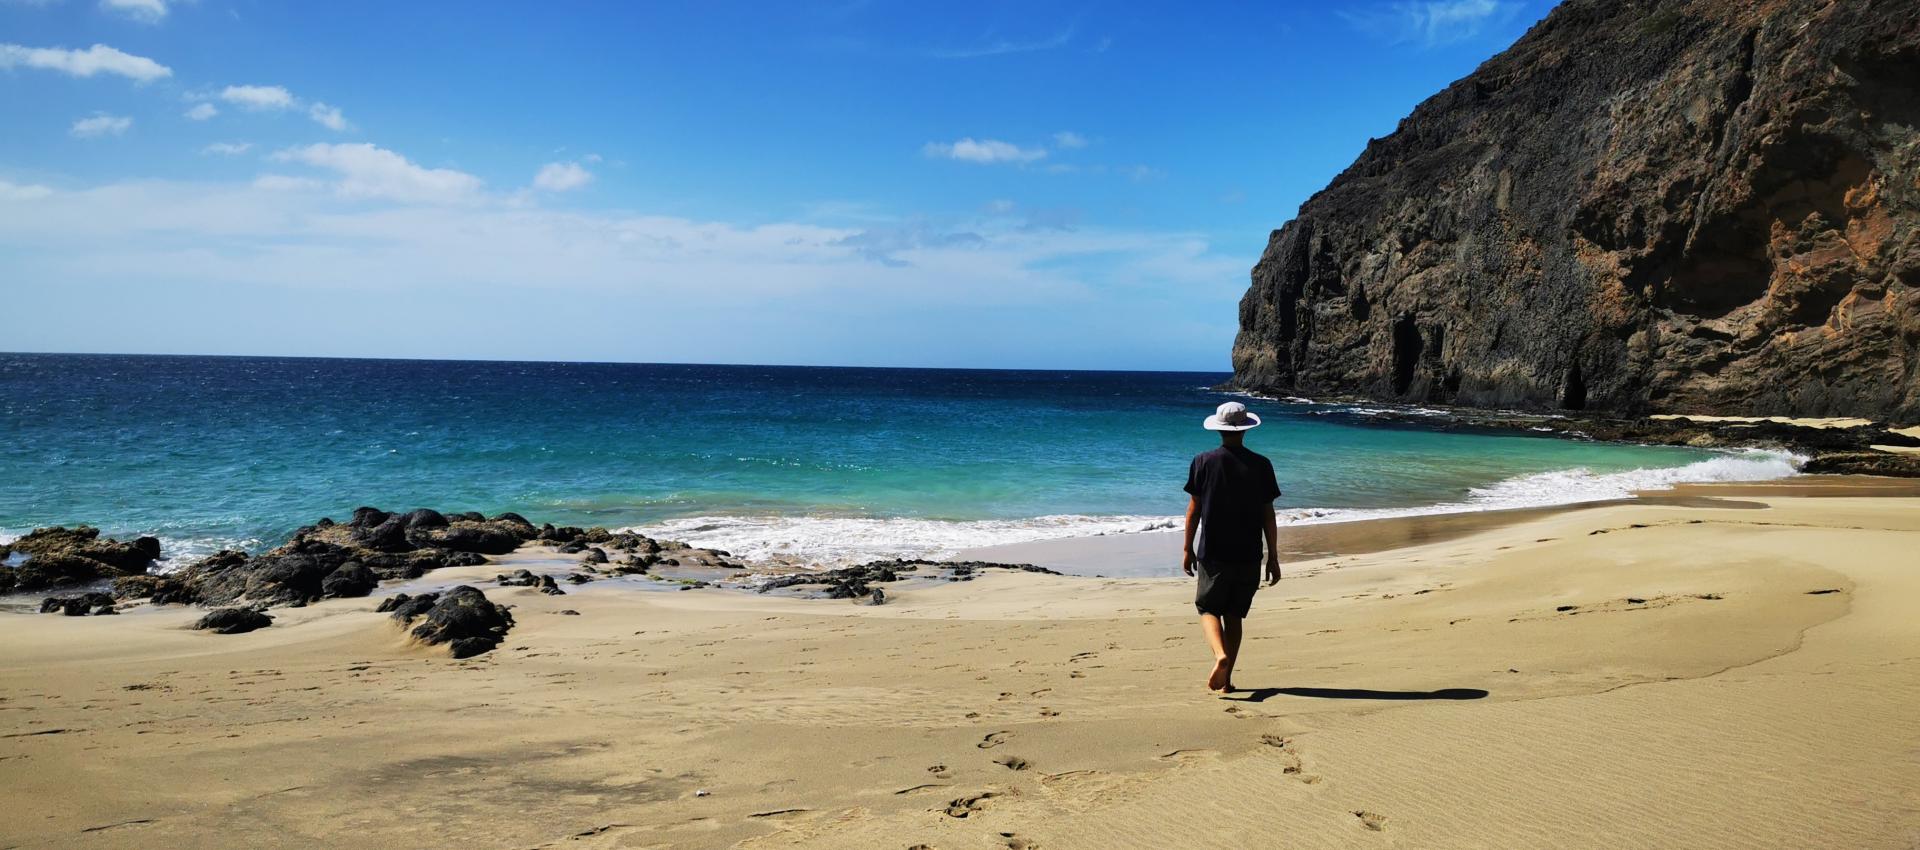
(1643, 205)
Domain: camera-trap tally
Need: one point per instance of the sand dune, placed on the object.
(1719, 677)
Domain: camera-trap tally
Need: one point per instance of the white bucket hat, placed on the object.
(1232, 416)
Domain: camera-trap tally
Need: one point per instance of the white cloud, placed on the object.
(258, 97)
(1000, 206)
(145, 11)
(327, 116)
(98, 59)
(1432, 23)
(1000, 47)
(367, 171)
(984, 151)
(287, 183)
(201, 111)
(561, 177)
(1069, 140)
(17, 192)
(228, 148)
(940, 292)
(101, 124)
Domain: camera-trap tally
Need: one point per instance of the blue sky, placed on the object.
(874, 182)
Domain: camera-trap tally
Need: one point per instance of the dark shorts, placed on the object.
(1226, 590)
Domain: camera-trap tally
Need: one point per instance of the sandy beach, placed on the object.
(1737, 671)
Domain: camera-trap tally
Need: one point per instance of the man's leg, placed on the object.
(1230, 638)
(1216, 638)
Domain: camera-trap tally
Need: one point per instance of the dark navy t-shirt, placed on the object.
(1232, 487)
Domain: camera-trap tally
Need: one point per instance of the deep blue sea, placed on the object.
(818, 463)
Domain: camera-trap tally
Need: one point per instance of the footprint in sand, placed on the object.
(1372, 821)
(993, 739)
(1013, 762)
(1015, 842)
(964, 806)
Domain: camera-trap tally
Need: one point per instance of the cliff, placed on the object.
(1641, 206)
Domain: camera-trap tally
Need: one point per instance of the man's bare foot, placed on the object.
(1217, 680)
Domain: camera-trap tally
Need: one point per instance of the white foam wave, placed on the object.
(845, 540)
(830, 541)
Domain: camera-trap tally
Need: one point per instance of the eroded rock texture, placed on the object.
(1643, 205)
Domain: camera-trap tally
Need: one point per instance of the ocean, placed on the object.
(824, 465)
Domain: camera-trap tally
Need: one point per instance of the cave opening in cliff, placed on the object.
(1406, 353)
(1573, 396)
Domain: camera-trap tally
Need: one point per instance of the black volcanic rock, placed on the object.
(461, 618)
(351, 579)
(1700, 206)
(233, 621)
(59, 555)
(78, 606)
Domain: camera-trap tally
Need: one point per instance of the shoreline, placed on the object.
(1157, 553)
(1587, 666)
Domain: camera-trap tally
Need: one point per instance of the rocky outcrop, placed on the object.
(233, 621)
(78, 606)
(329, 559)
(64, 556)
(1697, 206)
(462, 619)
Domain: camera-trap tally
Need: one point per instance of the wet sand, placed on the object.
(1696, 673)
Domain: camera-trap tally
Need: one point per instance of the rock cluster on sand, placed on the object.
(78, 606)
(63, 556)
(462, 618)
(335, 560)
(329, 560)
(855, 582)
(1700, 206)
(526, 578)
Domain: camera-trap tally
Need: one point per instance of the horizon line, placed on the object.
(615, 362)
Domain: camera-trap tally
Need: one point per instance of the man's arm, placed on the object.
(1186, 549)
(1273, 546)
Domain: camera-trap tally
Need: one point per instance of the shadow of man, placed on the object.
(1264, 694)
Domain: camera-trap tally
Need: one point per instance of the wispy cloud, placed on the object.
(144, 11)
(983, 151)
(366, 171)
(17, 192)
(561, 177)
(98, 59)
(885, 245)
(258, 97)
(227, 148)
(1430, 23)
(201, 112)
(1069, 140)
(327, 116)
(941, 291)
(101, 124)
(1001, 47)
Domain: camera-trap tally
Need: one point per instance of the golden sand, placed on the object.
(1643, 675)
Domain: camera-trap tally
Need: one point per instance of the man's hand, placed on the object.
(1273, 571)
(1186, 561)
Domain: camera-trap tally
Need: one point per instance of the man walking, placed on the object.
(1229, 515)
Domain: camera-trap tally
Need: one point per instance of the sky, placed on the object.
(1076, 185)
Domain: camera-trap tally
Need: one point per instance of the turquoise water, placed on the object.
(206, 452)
